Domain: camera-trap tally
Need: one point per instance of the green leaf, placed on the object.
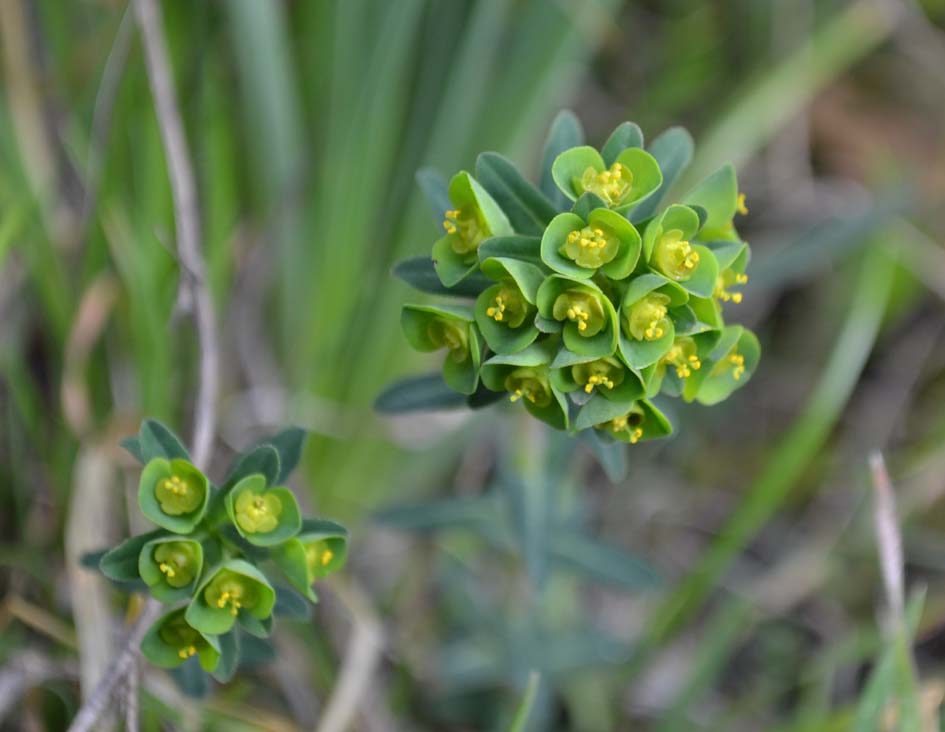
(586, 203)
(626, 135)
(527, 208)
(611, 456)
(892, 678)
(451, 267)
(259, 460)
(155, 440)
(673, 150)
(523, 248)
(291, 605)
(599, 410)
(133, 446)
(288, 444)
(603, 562)
(191, 680)
(471, 513)
(419, 273)
(435, 188)
(229, 657)
(718, 195)
(257, 627)
(418, 394)
(121, 563)
(291, 559)
(524, 710)
(565, 133)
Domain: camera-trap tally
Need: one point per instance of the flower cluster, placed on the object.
(592, 294)
(213, 557)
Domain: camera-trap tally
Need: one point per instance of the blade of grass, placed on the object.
(777, 94)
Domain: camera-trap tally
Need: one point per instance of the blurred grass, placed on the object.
(307, 121)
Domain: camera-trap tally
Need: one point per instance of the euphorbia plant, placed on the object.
(225, 557)
(588, 298)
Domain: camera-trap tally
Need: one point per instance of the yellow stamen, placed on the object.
(497, 312)
(327, 556)
(740, 204)
(167, 569)
(186, 653)
(738, 365)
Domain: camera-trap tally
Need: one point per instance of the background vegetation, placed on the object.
(730, 581)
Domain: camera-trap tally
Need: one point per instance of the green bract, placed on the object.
(320, 549)
(170, 566)
(632, 178)
(728, 367)
(432, 327)
(604, 242)
(263, 516)
(233, 590)
(669, 251)
(475, 216)
(592, 294)
(171, 641)
(526, 376)
(588, 315)
(173, 494)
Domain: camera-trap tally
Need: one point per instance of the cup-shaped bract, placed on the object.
(505, 312)
(262, 515)
(232, 589)
(635, 422)
(728, 367)
(526, 377)
(172, 640)
(647, 326)
(607, 377)
(320, 549)
(669, 250)
(604, 242)
(170, 566)
(589, 318)
(632, 178)
(719, 197)
(475, 217)
(434, 327)
(173, 494)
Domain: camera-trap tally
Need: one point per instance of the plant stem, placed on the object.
(193, 278)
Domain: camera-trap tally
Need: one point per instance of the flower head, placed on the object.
(173, 494)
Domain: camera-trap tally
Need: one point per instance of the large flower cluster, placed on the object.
(212, 558)
(592, 294)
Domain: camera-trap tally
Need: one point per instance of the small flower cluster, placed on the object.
(592, 295)
(216, 547)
